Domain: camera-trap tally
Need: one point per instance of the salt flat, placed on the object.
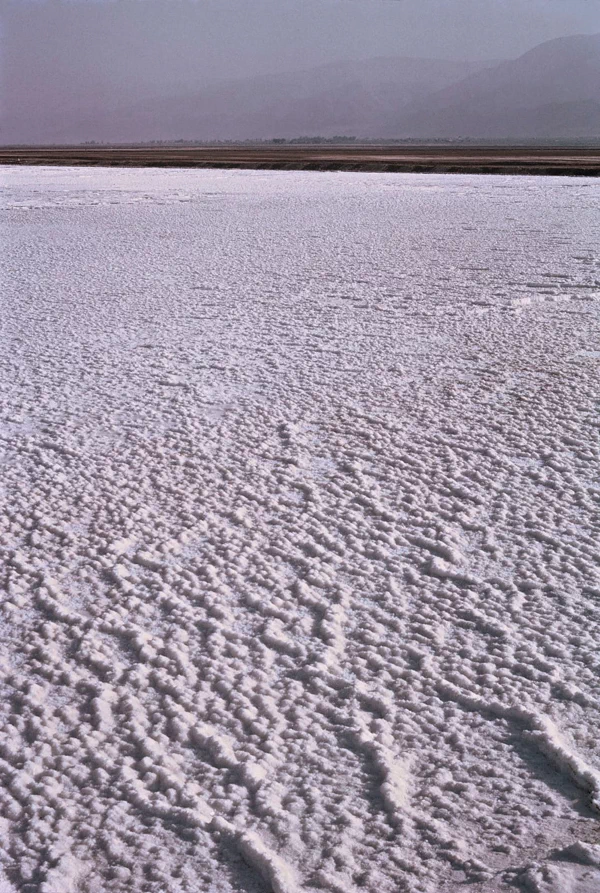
(300, 532)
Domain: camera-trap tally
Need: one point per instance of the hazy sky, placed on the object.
(145, 43)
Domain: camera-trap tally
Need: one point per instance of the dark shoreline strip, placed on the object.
(540, 161)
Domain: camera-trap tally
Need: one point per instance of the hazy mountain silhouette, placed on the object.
(339, 98)
(551, 91)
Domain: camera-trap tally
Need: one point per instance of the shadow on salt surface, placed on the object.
(539, 766)
(575, 869)
(243, 876)
(571, 879)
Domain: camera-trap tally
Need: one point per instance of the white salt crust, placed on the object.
(299, 533)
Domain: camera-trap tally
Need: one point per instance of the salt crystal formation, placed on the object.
(300, 533)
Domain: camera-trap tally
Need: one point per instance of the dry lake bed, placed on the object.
(300, 532)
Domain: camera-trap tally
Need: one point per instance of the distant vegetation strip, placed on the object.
(576, 160)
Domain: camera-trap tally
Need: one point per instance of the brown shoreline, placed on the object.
(471, 159)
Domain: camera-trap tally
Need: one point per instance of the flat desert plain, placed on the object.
(300, 532)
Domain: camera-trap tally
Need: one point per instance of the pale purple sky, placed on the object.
(149, 44)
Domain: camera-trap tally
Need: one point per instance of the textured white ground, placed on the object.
(300, 533)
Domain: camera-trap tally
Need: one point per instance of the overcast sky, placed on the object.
(50, 43)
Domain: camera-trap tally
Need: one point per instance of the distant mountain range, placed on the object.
(552, 91)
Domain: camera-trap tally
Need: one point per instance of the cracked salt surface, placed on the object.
(300, 533)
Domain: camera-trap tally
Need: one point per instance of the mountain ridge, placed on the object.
(515, 97)
(551, 91)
